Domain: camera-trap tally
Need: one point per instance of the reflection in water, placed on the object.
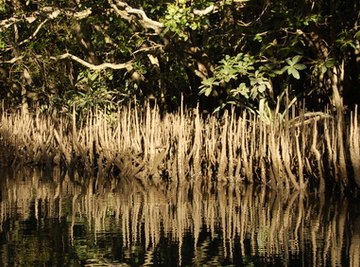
(49, 219)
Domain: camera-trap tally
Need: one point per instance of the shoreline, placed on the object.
(315, 151)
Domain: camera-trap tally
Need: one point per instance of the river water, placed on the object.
(57, 219)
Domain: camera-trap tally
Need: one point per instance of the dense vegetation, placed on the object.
(60, 54)
(283, 73)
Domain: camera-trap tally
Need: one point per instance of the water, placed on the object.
(61, 220)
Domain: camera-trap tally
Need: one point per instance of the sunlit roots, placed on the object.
(293, 152)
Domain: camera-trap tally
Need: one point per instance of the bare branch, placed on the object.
(127, 65)
(149, 49)
(121, 13)
(155, 25)
(51, 13)
(106, 65)
(54, 12)
(6, 23)
(125, 11)
(205, 11)
(12, 61)
(34, 33)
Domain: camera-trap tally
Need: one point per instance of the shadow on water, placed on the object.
(49, 219)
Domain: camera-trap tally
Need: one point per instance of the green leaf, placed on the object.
(94, 76)
(323, 69)
(243, 90)
(296, 59)
(280, 72)
(258, 38)
(207, 86)
(330, 62)
(357, 35)
(289, 62)
(208, 91)
(292, 71)
(300, 66)
(194, 26)
(261, 88)
(209, 82)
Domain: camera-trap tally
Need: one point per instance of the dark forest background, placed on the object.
(56, 55)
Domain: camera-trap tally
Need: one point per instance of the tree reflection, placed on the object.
(101, 220)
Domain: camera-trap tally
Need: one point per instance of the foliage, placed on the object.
(248, 81)
(293, 66)
(348, 38)
(251, 84)
(180, 20)
(91, 92)
(230, 52)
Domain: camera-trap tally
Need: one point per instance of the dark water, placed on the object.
(62, 220)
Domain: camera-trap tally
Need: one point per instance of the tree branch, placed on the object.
(127, 65)
(6, 23)
(205, 11)
(50, 12)
(149, 49)
(12, 61)
(126, 12)
(34, 33)
(119, 66)
(78, 15)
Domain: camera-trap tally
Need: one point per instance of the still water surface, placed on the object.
(61, 220)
